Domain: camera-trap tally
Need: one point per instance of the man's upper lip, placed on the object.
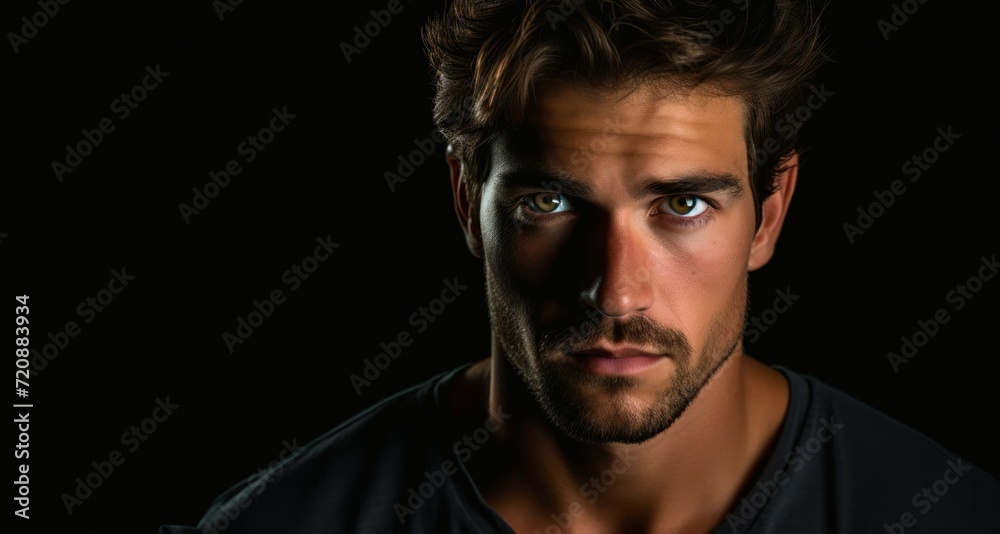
(615, 352)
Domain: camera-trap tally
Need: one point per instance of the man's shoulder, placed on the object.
(357, 465)
(413, 414)
(851, 464)
(859, 425)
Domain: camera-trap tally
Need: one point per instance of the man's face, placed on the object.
(616, 231)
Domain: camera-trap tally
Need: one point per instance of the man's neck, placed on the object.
(684, 480)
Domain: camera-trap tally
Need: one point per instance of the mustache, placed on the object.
(597, 328)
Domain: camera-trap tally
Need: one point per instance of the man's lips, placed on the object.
(621, 361)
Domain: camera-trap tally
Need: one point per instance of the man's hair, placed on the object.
(489, 56)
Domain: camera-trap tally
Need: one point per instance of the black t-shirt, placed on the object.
(838, 466)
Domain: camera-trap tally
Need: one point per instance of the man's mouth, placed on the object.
(626, 361)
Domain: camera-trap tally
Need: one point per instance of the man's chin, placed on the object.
(604, 409)
(594, 429)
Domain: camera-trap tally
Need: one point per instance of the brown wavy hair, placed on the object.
(487, 56)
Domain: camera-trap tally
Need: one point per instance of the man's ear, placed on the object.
(773, 211)
(468, 215)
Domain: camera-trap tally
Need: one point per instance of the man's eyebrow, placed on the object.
(546, 178)
(552, 179)
(696, 183)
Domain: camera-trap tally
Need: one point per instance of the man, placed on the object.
(620, 170)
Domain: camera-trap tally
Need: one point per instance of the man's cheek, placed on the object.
(498, 236)
(694, 284)
(717, 258)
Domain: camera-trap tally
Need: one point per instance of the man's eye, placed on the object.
(547, 202)
(684, 205)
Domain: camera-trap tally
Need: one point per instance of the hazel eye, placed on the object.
(547, 202)
(685, 205)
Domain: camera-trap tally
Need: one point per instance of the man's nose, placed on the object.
(617, 260)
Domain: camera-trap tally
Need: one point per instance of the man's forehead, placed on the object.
(659, 106)
(572, 128)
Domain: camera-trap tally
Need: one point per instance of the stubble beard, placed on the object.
(605, 409)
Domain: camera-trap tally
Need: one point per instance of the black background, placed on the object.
(323, 176)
